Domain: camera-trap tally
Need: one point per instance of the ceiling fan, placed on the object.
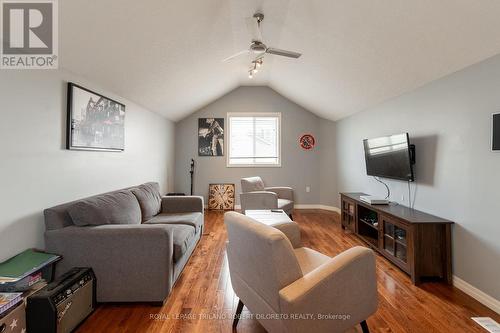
(257, 46)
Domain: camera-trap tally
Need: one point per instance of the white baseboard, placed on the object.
(236, 207)
(315, 206)
(477, 294)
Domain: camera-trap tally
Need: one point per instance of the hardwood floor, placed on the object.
(203, 299)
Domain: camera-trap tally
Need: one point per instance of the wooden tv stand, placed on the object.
(416, 242)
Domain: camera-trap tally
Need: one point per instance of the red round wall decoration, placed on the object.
(307, 141)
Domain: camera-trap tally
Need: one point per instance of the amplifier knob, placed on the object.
(68, 292)
(82, 282)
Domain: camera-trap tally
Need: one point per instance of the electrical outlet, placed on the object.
(308, 189)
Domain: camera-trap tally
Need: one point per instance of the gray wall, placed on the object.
(299, 169)
(36, 171)
(457, 176)
(328, 193)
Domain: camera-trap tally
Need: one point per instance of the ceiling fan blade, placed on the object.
(253, 29)
(283, 53)
(236, 55)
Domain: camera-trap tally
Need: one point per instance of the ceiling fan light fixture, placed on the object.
(257, 47)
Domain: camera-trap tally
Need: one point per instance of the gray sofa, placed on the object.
(136, 241)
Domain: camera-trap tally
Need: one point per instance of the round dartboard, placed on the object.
(307, 141)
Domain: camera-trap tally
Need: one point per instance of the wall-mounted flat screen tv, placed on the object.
(495, 142)
(390, 157)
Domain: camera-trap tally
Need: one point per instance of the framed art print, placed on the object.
(211, 136)
(95, 122)
(221, 196)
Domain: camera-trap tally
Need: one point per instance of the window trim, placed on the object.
(252, 114)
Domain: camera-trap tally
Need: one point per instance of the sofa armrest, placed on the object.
(182, 204)
(122, 256)
(291, 231)
(258, 200)
(282, 192)
(346, 286)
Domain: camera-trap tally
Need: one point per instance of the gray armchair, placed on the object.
(297, 289)
(256, 196)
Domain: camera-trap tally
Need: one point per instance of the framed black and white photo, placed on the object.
(211, 136)
(95, 122)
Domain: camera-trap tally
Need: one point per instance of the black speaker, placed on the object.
(63, 304)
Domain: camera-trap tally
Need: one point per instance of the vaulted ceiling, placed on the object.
(166, 55)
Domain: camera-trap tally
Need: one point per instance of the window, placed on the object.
(254, 139)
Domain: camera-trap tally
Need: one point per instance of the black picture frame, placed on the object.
(111, 123)
(495, 132)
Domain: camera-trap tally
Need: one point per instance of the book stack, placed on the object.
(21, 276)
(9, 300)
(22, 271)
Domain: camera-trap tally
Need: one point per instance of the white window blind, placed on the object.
(254, 139)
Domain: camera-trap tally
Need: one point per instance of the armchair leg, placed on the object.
(364, 327)
(237, 315)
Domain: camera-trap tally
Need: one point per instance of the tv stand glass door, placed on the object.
(394, 240)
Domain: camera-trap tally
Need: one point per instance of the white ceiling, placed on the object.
(166, 55)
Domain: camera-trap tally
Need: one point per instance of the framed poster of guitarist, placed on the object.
(221, 196)
(211, 136)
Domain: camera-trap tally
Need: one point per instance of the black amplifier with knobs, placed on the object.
(63, 304)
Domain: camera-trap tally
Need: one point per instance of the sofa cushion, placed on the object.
(184, 236)
(285, 204)
(252, 184)
(119, 207)
(149, 198)
(192, 219)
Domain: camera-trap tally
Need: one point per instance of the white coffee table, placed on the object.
(278, 219)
